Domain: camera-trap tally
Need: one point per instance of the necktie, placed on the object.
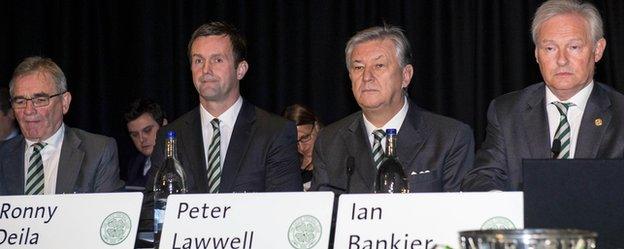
(563, 131)
(377, 151)
(214, 158)
(34, 176)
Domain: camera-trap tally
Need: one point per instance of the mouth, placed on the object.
(563, 74)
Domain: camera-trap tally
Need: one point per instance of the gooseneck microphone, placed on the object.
(350, 166)
(556, 148)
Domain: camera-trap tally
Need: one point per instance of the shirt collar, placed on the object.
(228, 117)
(394, 123)
(579, 99)
(53, 141)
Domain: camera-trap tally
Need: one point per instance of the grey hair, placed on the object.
(395, 34)
(553, 8)
(36, 64)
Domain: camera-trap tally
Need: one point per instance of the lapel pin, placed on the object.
(598, 122)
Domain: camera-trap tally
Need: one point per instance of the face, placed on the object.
(215, 73)
(306, 136)
(143, 133)
(39, 123)
(376, 77)
(566, 54)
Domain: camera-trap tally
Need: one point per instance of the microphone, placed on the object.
(350, 166)
(556, 148)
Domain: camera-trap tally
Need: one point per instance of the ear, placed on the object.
(66, 100)
(241, 70)
(599, 49)
(536, 58)
(164, 122)
(408, 72)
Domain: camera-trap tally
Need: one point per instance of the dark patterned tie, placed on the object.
(563, 130)
(34, 177)
(377, 151)
(214, 158)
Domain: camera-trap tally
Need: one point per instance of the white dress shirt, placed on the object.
(226, 126)
(394, 123)
(575, 113)
(50, 155)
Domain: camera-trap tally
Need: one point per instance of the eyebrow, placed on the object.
(36, 95)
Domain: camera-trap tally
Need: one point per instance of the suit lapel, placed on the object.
(356, 142)
(536, 125)
(239, 143)
(69, 162)
(192, 144)
(411, 136)
(14, 169)
(590, 134)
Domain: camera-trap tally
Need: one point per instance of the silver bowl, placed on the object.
(528, 239)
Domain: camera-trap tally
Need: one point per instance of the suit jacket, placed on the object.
(88, 164)
(435, 152)
(135, 171)
(518, 129)
(262, 155)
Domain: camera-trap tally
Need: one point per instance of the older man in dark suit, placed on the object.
(435, 151)
(227, 144)
(569, 115)
(50, 157)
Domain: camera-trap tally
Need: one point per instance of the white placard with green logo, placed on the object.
(70, 221)
(422, 220)
(248, 220)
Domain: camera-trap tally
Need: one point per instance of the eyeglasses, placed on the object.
(37, 101)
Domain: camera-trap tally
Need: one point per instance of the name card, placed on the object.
(248, 220)
(70, 221)
(422, 220)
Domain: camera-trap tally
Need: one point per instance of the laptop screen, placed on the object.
(579, 193)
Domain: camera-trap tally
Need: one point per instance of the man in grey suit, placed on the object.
(50, 157)
(435, 151)
(569, 115)
(227, 144)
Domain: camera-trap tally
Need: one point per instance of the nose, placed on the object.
(142, 138)
(29, 108)
(207, 68)
(562, 57)
(367, 74)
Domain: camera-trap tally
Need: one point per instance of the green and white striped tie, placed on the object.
(377, 151)
(34, 176)
(214, 158)
(563, 131)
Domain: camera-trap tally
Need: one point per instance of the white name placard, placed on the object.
(70, 221)
(248, 220)
(422, 220)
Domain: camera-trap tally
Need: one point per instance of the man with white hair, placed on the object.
(569, 115)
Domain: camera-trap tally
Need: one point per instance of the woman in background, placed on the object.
(308, 126)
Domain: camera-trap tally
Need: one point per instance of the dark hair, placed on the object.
(141, 106)
(239, 46)
(4, 100)
(301, 115)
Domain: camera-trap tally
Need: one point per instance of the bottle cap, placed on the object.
(391, 132)
(171, 134)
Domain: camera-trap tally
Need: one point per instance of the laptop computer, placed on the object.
(579, 193)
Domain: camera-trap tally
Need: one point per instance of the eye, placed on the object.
(134, 135)
(198, 61)
(41, 100)
(549, 48)
(358, 67)
(218, 60)
(379, 65)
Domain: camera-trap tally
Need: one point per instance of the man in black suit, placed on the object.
(435, 151)
(227, 144)
(569, 115)
(8, 129)
(144, 118)
(50, 157)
